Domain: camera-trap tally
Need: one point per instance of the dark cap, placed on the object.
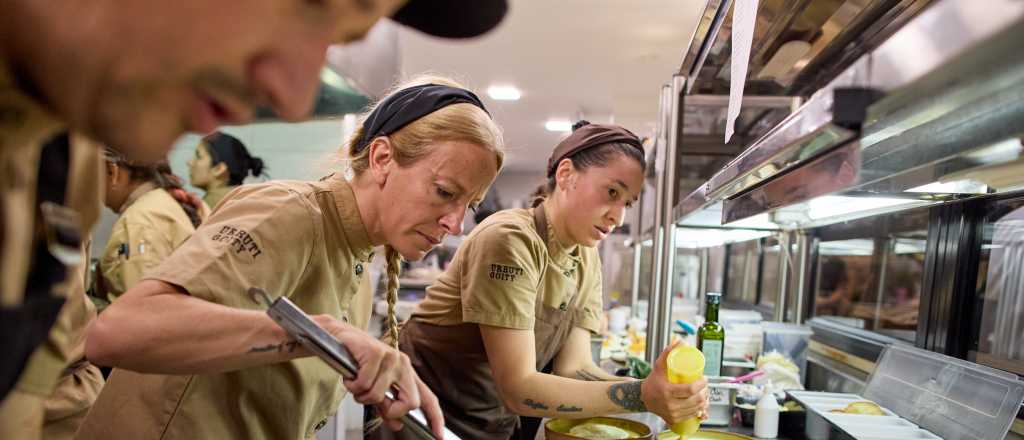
(452, 18)
(590, 135)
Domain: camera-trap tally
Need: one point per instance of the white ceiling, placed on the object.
(603, 59)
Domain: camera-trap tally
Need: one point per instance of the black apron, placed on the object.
(57, 239)
(452, 362)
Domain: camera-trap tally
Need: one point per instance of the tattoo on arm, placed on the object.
(586, 375)
(284, 347)
(563, 408)
(627, 396)
(534, 404)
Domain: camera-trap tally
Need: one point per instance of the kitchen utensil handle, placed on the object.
(328, 348)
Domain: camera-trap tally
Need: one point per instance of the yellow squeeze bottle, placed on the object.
(685, 365)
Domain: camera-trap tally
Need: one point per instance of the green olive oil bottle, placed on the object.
(711, 336)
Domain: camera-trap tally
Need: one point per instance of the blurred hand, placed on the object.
(673, 402)
(430, 406)
(380, 368)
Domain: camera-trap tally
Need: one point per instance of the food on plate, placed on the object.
(668, 435)
(791, 406)
(863, 408)
(595, 430)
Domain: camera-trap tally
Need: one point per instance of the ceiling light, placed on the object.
(504, 93)
(963, 186)
(690, 238)
(331, 78)
(835, 206)
(757, 221)
(558, 125)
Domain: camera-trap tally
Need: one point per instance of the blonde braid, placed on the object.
(394, 268)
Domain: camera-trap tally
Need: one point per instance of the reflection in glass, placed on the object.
(1001, 287)
(617, 272)
(687, 273)
(646, 268)
(842, 273)
(770, 272)
(873, 283)
(715, 269)
(741, 272)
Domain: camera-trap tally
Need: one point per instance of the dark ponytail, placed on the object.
(162, 176)
(255, 166)
(227, 149)
(580, 123)
(539, 194)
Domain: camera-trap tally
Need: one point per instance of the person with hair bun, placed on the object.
(221, 163)
(155, 216)
(196, 357)
(505, 330)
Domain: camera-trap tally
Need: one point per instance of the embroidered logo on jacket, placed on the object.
(501, 272)
(239, 239)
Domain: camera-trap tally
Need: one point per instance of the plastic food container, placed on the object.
(720, 401)
(949, 397)
(924, 395)
(791, 423)
(821, 419)
(790, 340)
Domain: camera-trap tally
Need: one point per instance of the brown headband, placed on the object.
(589, 136)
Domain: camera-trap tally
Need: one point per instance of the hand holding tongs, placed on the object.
(317, 340)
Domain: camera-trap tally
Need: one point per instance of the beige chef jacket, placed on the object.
(57, 385)
(503, 267)
(303, 240)
(215, 195)
(152, 224)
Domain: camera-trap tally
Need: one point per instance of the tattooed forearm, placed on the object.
(284, 347)
(534, 404)
(627, 395)
(563, 408)
(586, 375)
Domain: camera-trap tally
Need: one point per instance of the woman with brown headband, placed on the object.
(197, 357)
(524, 293)
(155, 216)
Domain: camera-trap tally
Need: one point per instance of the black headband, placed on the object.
(408, 105)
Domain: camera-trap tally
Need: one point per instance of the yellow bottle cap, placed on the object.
(685, 364)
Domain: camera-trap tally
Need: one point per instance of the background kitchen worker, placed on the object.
(220, 164)
(156, 215)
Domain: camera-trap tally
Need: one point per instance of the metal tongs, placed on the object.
(317, 340)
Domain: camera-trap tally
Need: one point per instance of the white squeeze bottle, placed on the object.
(766, 416)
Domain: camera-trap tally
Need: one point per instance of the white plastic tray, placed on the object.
(861, 427)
